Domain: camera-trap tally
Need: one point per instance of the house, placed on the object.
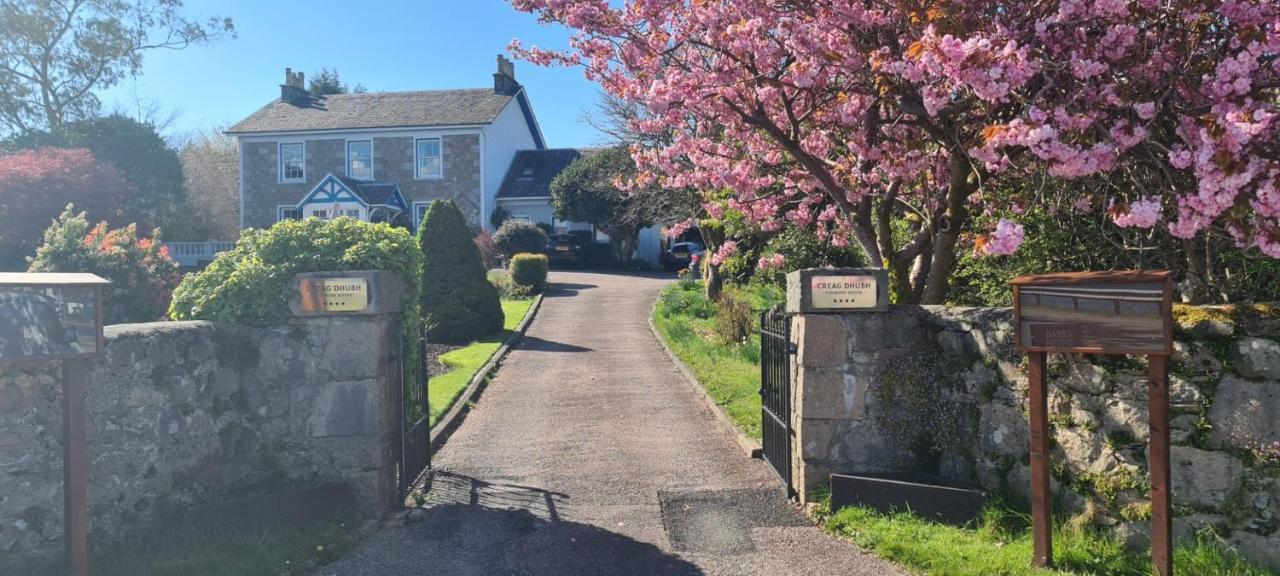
(382, 156)
(385, 156)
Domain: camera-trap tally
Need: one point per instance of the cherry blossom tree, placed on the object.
(855, 117)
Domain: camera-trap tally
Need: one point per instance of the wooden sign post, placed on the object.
(1098, 313)
(48, 317)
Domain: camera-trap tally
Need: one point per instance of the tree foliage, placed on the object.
(327, 81)
(153, 169)
(55, 55)
(847, 118)
(36, 186)
(211, 172)
(520, 237)
(588, 191)
(458, 302)
(141, 273)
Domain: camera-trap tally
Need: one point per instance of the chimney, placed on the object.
(294, 89)
(504, 80)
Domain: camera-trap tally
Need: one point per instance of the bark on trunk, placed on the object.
(712, 283)
(947, 231)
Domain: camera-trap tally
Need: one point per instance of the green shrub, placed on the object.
(458, 302)
(516, 237)
(507, 289)
(529, 270)
(735, 317)
(141, 273)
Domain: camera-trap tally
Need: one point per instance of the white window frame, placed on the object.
(321, 213)
(522, 218)
(417, 218)
(352, 213)
(280, 162)
(281, 209)
(347, 166)
(440, 149)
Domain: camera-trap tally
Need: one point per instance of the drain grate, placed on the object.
(720, 521)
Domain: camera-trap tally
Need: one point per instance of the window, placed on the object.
(419, 213)
(321, 214)
(292, 162)
(360, 159)
(427, 155)
(352, 213)
(288, 213)
(522, 218)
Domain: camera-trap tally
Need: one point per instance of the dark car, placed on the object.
(564, 249)
(680, 254)
(30, 326)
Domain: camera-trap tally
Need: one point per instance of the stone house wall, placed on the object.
(262, 192)
(942, 390)
(189, 413)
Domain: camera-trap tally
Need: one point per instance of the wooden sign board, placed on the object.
(334, 294)
(1094, 313)
(50, 316)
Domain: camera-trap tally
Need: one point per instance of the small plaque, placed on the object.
(1094, 312)
(334, 294)
(843, 292)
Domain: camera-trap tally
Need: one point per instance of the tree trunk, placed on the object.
(948, 228)
(713, 283)
(623, 240)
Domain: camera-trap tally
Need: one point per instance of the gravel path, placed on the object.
(588, 454)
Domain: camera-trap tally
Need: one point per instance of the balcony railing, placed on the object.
(196, 254)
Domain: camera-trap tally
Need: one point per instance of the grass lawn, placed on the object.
(465, 362)
(1000, 545)
(264, 550)
(729, 371)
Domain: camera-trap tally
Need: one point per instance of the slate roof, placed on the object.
(373, 193)
(532, 171)
(377, 110)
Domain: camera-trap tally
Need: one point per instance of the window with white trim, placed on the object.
(427, 158)
(419, 213)
(355, 213)
(293, 162)
(360, 159)
(321, 214)
(288, 213)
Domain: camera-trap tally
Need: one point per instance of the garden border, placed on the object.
(746, 443)
(453, 418)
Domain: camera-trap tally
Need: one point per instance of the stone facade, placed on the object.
(189, 413)
(262, 192)
(942, 390)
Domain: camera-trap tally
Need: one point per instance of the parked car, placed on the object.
(680, 254)
(564, 249)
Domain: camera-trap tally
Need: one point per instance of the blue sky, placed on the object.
(385, 45)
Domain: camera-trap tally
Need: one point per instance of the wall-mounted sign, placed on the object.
(334, 294)
(50, 316)
(835, 290)
(1094, 312)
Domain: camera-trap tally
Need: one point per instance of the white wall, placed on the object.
(508, 133)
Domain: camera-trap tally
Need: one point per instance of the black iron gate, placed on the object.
(775, 392)
(415, 444)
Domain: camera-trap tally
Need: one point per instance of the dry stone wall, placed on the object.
(188, 413)
(941, 390)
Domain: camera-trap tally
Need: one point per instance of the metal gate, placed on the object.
(775, 392)
(415, 444)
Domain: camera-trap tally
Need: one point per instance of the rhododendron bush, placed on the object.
(849, 116)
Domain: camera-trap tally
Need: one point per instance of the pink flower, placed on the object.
(1142, 213)
(1004, 240)
(726, 250)
(772, 262)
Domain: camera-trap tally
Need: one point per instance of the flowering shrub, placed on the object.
(489, 252)
(840, 116)
(141, 273)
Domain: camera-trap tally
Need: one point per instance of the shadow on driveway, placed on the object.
(535, 344)
(563, 289)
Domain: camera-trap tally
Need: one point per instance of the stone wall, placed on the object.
(188, 413)
(941, 390)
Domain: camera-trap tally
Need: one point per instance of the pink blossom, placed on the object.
(1004, 240)
(1142, 213)
(772, 262)
(724, 251)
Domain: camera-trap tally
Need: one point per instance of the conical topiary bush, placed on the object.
(458, 302)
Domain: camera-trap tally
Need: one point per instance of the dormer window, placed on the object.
(292, 162)
(427, 158)
(360, 159)
(526, 174)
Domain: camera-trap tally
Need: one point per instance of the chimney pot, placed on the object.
(504, 80)
(294, 89)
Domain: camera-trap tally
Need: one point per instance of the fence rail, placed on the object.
(196, 254)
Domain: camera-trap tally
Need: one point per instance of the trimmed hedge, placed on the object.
(458, 302)
(516, 237)
(529, 270)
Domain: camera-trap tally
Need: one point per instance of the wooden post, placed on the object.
(1161, 520)
(75, 513)
(1041, 524)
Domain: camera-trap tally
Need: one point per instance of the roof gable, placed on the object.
(333, 189)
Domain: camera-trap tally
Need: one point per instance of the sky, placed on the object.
(384, 45)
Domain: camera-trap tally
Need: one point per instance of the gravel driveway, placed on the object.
(588, 454)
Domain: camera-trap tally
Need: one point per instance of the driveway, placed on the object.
(589, 454)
